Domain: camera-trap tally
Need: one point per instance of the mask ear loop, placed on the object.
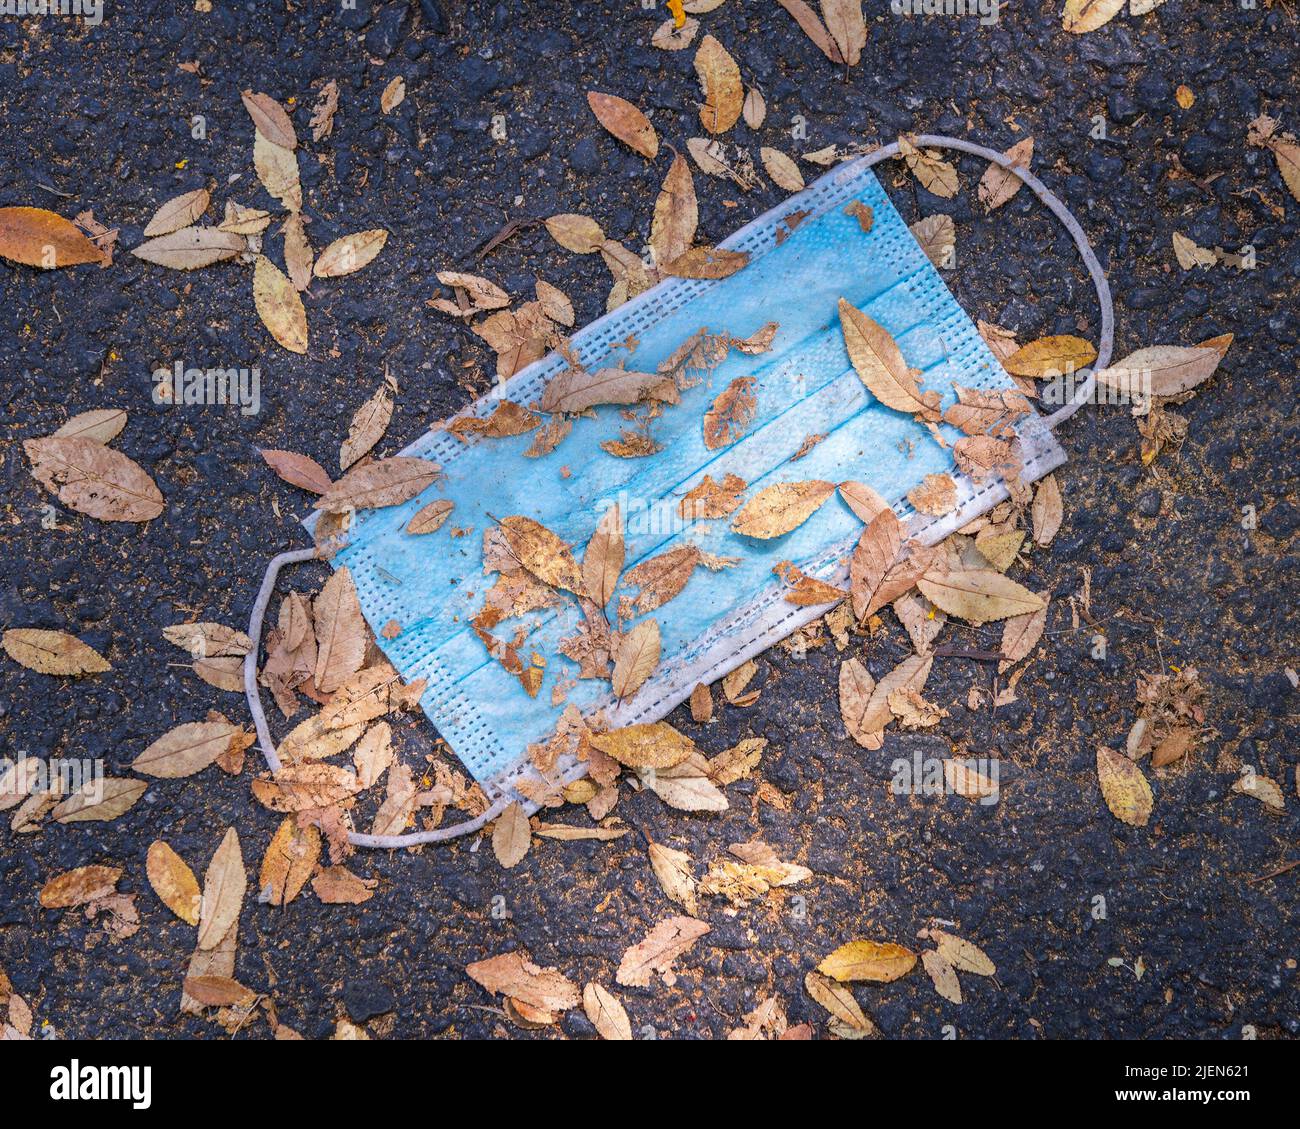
(1105, 347)
(1082, 396)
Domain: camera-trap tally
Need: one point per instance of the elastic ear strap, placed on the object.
(1105, 347)
(267, 746)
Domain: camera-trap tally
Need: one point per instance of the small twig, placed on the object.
(1273, 873)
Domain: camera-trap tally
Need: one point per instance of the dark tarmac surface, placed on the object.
(103, 116)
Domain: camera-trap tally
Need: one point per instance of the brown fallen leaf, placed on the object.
(430, 518)
(777, 509)
(179, 212)
(701, 703)
(868, 960)
(1020, 635)
(999, 184)
(675, 873)
(932, 172)
(394, 94)
(297, 252)
(976, 595)
(341, 632)
(102, 425)
(542, 553)
(635, 658)
(943, 975)
(100, 800)
(384, 482)
(1165, 370)
(1050, 356)
(52, 652)
(937, 236)
(80, 886)
(1047, 510)
(191, 248)
(1082, 16)
(707, 262)
(350, 253)
(724, 96)
(297, 470)
(290, 860)
(270, 119)
(607, 1015)
(279, 306)
(516, 977)
(93, 479)
(224, 885)
(936, 495)
(847, 28)
(39, 238)
(687, 786)
(879, 363)
(731, 414)
(653, 744)
(322, 114)
(511, 835)
(839, 1001)
(173, 881)
(337, 885)
(367, 427)
(579, 234)
(625, 122)
(277, 169)
(782, 169)
(666, 942)
(186, 749)
(575, 390)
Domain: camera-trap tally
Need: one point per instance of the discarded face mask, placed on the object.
(490, 705)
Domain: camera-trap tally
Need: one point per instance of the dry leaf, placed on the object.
(394, 94)
(179, 212)
(575, 390)
(839, 1001)
(52, 652)
(80, 886)
(430, 518)
(298, 787)
(1020, 635)
(350, 253)
(223, 892)
(1050, 356)
(847, 28)
(653, 744)
(173, 881)
(290, 860)
(943, 975)
(879, 363)
(39, 238)
(937, 236)
(515, 976)
(270, 119)
(754, 109)
(603, 560)
(322, 114)
(731, 414)
(934, 174)
(962, 955)
(185, 750)
(341, 632)
(625, 122)
(778, 509)
(707, 262)
(724, 97)
(542, 553)
(813, 27)
(783, 171)
(277, 169)
(297, 252)
(1189, 255)
(636, 658)
(1047, 511)
(279, 306)
(191, 248)
(93, 479)
(100, 800)
(576, 233)
(737, 762)
(999, 184)
(337, 885)
(1165, 370)
(868, 960)
(606, 1013)
(687, 786)
(676, 215)
(297, 470)
(511, 835)
(367, 427)
(384, 482)
(675, 873)
(1124, 788)
(976, 595)
(662, 946)
(1082, 16)
(101, 425)
(936, 495)
(669, 37)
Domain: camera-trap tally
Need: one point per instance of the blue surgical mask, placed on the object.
(433, 585)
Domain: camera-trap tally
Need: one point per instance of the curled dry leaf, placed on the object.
(80, 886)
(52, 652)
(179, 212)
(542, 553)
(297, 470)
(279, 306)
(879, 363)
(1190, 255)
(511, 835)
(653, 744)
(625, 122)
(868, 960)
(932, 172)
(606, 1013)
(662, 946)
(351, 253)
(39, 238)
(575, 390)
(297, 252)
(777, 509)
(1020, 635)
(186, 749)
(707, 262)
(724, 96)
(1050, 356)
(173, 881)
(300, 787)
(731, 414)
(384, 482)
(783, 171)
(224, 885)
(93, 479)
(322, 114)
(1262, 788)
(1124, 788)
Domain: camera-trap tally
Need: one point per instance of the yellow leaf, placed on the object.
(279, 306)
(173, 881)
(868, 960)
(39, 238)
(778, 509)
(879, 363)
(1050, 356)
(52, 652)
(1082, 16)
(1124, 788)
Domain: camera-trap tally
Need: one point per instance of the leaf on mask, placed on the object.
(712, 499)
(784, 172)
(576, 233)
(877, 961)
(52, 652)
(777, 509)
(384, 482)
(635, 658)
(625, 122)
(1082, 16)
(1050, 356)
(277, 169)
(341, 633)
(507, 419)
(879, 572)
(542, 553)
(1166, 370)
(511, 836)
(937, 236)
(707, 262)
(976, 595)
(603, 560)
(178, 212)
(173, 881)
(297, 470)
(279, 306)
(805, 590)
(1123, 787)
(36, 237)
(1000, 184)
(932, 172)
(350, 253)
(662, 946)
(191, 248)
(93, 479)
(575, 390)
(879, 363)
(731, 414)
(987, 412)
(724, 96)
(367, 427)
(654, 745)
(865, 502)
(936, 495)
